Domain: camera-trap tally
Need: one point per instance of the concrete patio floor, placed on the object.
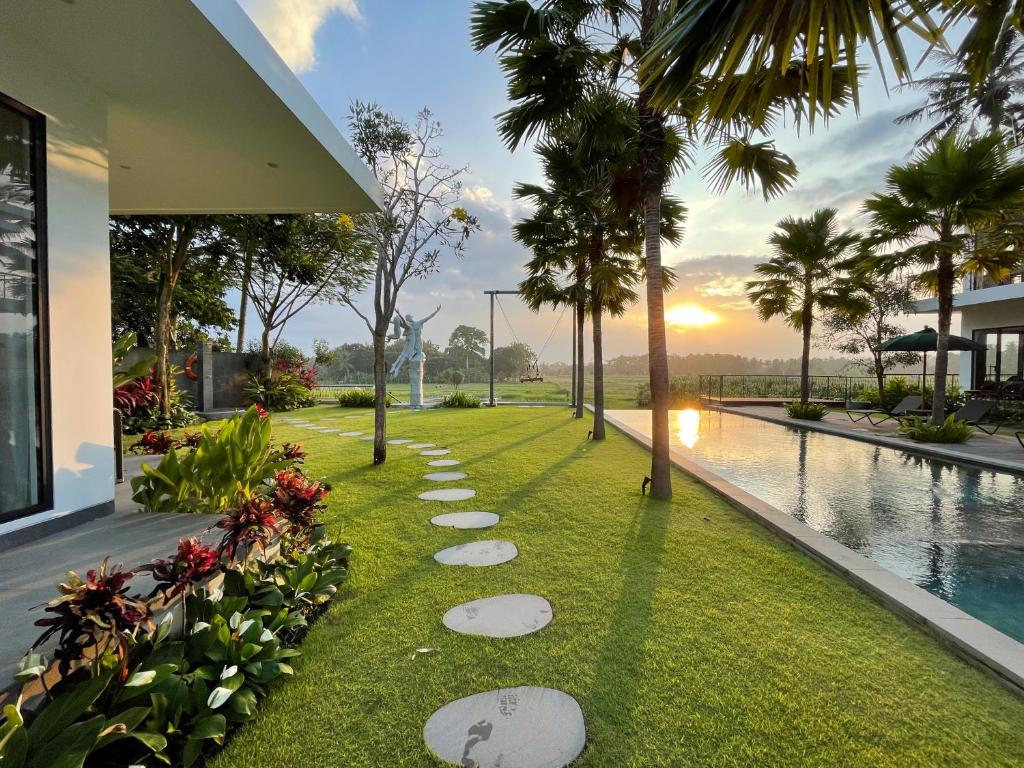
(31, 572)
(1000, 451)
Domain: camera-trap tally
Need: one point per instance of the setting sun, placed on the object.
(690, 316)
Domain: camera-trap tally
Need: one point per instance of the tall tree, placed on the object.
(804, 277)
(467, 343)
(420, 220)
(298, 260)
(167, 246)
(859, 327)
(950, 212)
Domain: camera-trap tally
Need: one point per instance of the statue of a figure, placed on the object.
(413, 332)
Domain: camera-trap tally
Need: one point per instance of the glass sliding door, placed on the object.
(24, 461)
(1003, 358)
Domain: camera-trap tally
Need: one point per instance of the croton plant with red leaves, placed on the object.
(298, 500)
(94, 614)
(251, 524)
(155, 443)
(292, 452)
(193, 562)
(135, 394)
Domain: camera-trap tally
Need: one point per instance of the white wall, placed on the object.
(997, 314)
(79, 273)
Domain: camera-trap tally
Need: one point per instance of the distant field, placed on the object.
(620, 391)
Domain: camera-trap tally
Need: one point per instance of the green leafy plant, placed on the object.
(122, 371)
(952, 430)
(356, 398)
(233, 461)
(249, 526)
(460, 399)
(806, 411)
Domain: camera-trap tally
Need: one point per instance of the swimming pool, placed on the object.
(954, 530)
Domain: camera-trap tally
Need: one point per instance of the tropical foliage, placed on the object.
(949, 430)
(806, 411)
(460, 399)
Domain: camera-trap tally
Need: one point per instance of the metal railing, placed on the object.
(787, 387)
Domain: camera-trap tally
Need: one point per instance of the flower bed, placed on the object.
(163, 678)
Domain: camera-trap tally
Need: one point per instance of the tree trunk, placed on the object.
(581, 317)
(162, 342)
(243, 306)
(880, 377)
(380, 395)
(807, 321)
(596, 312)
(945, 278)
(266, 363)
(652, 139)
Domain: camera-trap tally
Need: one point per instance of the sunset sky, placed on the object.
(406, 54)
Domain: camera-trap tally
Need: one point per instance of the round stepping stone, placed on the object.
(524, 727)
(466, 520)
(443, 477)
(448, 494)
(351, 434)
(443, 463)
(400, 441)
(435, 452)
(501, 616)
(417, 446)
(368, 437)
(478, 553)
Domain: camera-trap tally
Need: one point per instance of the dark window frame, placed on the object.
(981, 358)
(37, 121)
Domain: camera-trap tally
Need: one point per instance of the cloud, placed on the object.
(291, 25)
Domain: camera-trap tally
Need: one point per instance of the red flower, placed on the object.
(252, 524)
(259, 409)
(193, 562)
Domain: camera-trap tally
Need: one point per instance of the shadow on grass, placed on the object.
(619, 667)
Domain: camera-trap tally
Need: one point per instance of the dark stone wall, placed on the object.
(229, 375)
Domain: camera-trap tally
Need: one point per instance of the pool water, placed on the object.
(954, 530)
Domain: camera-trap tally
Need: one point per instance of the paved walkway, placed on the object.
(30, 573)
(1000, 451)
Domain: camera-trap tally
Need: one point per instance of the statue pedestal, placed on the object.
(416, 383)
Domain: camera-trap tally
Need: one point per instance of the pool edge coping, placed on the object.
(928, 450)
(981, 645)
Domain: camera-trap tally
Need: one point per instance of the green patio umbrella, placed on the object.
(926, 340)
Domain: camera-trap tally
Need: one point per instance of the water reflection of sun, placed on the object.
(688, 426)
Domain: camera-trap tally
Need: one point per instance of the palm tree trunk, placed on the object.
(380, 395)
(243, 306)
(945, 278)
(581, 316)
(596, 311)
(652, 139)
(807, 318)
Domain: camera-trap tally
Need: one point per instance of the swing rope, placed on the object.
(535, 372)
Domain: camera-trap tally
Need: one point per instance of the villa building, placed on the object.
(991, 314)
(124, 107)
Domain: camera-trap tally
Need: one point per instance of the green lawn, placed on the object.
(689, 634)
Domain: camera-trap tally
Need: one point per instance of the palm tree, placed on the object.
(803, 277)
(954, 103)
(950, 212)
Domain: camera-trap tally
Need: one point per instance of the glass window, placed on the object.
(22, 467)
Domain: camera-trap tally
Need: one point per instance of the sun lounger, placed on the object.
(904, 406)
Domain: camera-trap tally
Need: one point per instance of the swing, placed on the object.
(532, 373)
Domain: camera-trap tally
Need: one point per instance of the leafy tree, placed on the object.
(322, 352)
(298, 260)
(949, 213)
(861, 332)
(510, 361)
(955, 104)
(420, 219)
(156, 254)
(468, 343)
(804, 277)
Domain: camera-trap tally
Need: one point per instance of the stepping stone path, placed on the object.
(442, 477)
(368, 437)
(435, 452)
(418, 446)
(466, 520)
(525, 727)
(478, 553)
(351, 434)
(448, 494)
(399, 441)
(443, 463)
(501, 616)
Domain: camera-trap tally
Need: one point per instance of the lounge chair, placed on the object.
(974, 412)
(904, 406)
(1020, 438)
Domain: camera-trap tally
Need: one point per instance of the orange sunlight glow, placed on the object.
(688, 425)
(690, 316)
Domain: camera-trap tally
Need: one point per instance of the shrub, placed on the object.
(154, 444)
(251, 525)
(356, 398)
(460, 399)
(193, 562)
(806, 411)
(232, 462)
(298, 501)
(951, 430)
